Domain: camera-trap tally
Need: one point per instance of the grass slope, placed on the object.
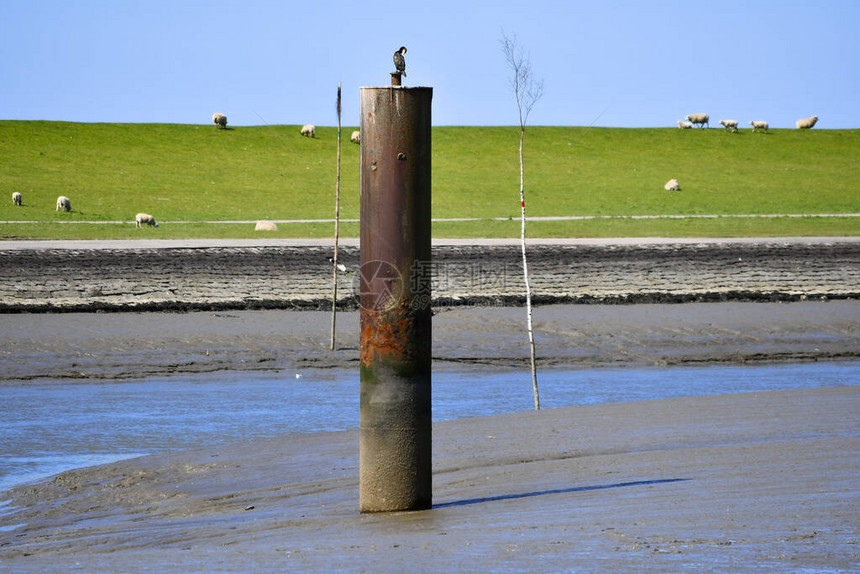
(198, 174)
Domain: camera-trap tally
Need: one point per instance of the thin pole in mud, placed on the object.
(336, 226)
(395, 339)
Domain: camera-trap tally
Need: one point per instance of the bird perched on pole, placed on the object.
(400, 61)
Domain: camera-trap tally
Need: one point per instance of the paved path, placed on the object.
(353, 242)
(528, 218)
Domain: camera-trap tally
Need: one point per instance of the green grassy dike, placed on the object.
(192, 176)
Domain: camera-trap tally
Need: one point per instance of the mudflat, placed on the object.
(132, 345)
(756, 481)
(722, 483)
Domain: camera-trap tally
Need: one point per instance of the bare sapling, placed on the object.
(527, 92)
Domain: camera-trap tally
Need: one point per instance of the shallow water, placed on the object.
(52, 426)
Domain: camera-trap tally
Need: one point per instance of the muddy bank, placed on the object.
(751, 482)
(128, 278)
(760, 481)
(133, 345)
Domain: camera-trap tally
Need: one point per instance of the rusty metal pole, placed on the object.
(395, 434)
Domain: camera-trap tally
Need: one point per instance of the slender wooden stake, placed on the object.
(336, 226)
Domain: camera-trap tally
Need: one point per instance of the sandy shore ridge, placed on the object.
(184, 276)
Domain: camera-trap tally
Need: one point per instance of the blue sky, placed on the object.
(603, 62)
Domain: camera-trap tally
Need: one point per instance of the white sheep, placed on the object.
(698, 119)
(64, 203)
(730, 125)
(309, 130)
(806, 123)
(219, 120)
(355, 137)
(142, 219)
(672, 185)
(16, 198)
(265, 225)
(759, 126)
(685, 125)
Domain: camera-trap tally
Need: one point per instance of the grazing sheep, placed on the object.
(685, 125)
(64, 203)
(309, 130)
(806, 123)
(264, 225)
(16, 198)
(219, 120)
(759, 126)
(672, 185)
(142, 219)
(698, 119)
(355, 137)
(730, 125)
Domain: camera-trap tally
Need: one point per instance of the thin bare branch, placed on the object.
(527, 90)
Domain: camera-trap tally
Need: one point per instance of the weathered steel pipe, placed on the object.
(395, 434)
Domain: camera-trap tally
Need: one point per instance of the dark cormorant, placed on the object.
(400, 61)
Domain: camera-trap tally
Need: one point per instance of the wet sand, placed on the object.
(764, 481)
(123, 345)
(758, 481)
